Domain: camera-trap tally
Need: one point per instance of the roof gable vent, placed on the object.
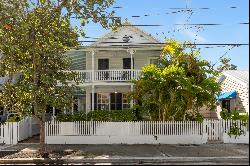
(126, 38)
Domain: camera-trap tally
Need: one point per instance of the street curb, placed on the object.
(238, 159)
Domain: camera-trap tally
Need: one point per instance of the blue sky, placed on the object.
(219, 12)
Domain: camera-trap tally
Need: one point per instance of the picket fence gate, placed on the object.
(217, 129)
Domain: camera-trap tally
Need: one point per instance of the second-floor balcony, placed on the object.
(107, 75)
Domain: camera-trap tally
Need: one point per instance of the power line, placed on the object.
(223, 55)
(196, 44)
(141, 25)
(199, 24)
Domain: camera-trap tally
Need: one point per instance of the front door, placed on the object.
(103, 64)
(116, 101)
(226, 104)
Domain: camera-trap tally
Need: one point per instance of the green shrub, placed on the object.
(79, 116)
(234, 116)
(121, 116)
(113, 115)
(225, 114)
(99, 115)
(14, 118)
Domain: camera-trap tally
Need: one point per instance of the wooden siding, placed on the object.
(115, 58)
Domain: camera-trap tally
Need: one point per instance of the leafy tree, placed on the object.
(178, 87)
(226, 65)
(34, 36)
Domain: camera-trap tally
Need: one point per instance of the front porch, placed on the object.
(109, 96)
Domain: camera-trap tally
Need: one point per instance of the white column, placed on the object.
(86, 103)
(93, 65)
(132, 62)
(54, 112)
(109, 103)
(93, 79)
(132, 101)
(93, 97)
(72, 106)
(131, 52)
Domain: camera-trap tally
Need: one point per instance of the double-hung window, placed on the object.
(154, 60)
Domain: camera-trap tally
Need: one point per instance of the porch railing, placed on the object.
(107, 75)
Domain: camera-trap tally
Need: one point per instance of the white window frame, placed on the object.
(123, 97)
(149, 58)
(102, 103)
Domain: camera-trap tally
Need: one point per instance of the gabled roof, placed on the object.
(136, 37)
(240, 76)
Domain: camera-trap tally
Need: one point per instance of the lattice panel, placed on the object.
(242, 93)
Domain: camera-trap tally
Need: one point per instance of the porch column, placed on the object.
(93, 65)
(86, 103)
(93, 98)
(72, 106)
(54, 111)
(93, 79)
(132, 101)
(131, 52)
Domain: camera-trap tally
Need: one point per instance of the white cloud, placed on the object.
(194, 36)
(189, 33)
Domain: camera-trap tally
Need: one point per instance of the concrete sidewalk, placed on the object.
(134, 161)
(205, 150)
(203, 154)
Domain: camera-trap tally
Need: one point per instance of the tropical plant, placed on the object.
(226, 65)
(238, 121)
(178, 87)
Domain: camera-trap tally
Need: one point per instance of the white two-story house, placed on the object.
(106, 67)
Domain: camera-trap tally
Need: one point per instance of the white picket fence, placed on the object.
(217, 130)
(244, 138)
(8, 133)
(144, 132)
(13, 132)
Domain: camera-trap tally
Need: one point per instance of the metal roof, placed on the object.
(242, 76)
(116, 38)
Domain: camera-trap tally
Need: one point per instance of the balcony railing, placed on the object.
(107, 75)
